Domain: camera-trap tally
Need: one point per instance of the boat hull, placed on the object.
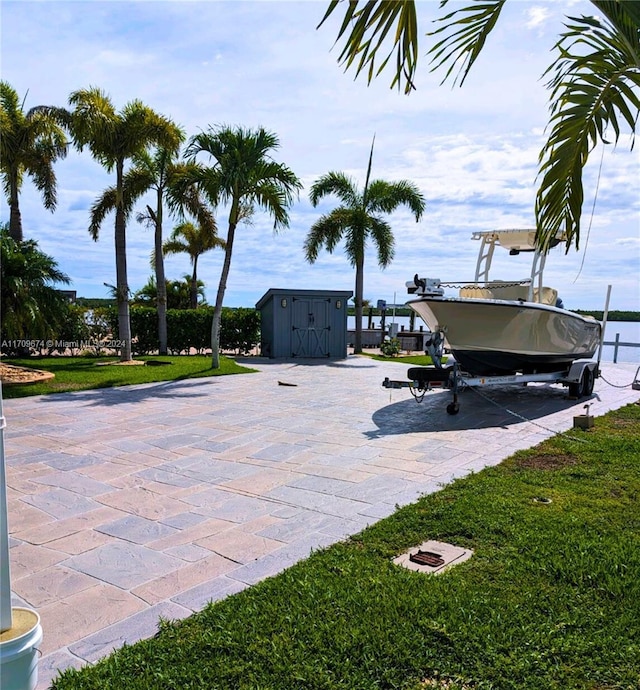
(499, 336)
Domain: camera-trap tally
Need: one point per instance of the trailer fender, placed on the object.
(576, 371)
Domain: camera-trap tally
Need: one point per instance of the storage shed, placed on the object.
(303, 323)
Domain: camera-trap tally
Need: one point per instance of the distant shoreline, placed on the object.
(614, 314)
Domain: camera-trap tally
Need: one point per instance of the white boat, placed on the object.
(499, 327)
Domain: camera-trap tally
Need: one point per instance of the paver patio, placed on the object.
(131, 504)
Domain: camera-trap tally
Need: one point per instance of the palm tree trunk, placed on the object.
(15, 218)
(124, 323)
(161, 283)
(357, 346)
(222, 286)
(194, 284)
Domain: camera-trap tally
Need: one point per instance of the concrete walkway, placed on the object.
(128, 504)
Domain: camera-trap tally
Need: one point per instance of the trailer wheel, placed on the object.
(589, 380)
(453, 408)
(576, 390)
(584, 387)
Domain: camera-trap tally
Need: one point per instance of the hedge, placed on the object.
(190, 328)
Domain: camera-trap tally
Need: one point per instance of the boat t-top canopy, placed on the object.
(513, 240)
(516, 241)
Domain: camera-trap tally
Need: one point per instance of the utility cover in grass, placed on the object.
(433, 557)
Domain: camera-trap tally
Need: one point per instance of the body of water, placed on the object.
(628, 331)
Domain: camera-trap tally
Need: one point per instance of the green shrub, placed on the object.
(239, 329)
(73, 330)
(391, 347)
(187, 329)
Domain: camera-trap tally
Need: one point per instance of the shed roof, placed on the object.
(320, 294)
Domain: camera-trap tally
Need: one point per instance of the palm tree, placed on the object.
(193, 240)
(156, 172)
(30, 143)
(165, 176)
(152, 172)
(31, 307)
(358, 220)
(178, 293)
(113, 138)
(595, 83)
(243, 175)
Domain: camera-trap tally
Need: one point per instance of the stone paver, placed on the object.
(131, 504)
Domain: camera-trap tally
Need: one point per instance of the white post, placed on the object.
(6, 620)
(394, 309)
(605, 315)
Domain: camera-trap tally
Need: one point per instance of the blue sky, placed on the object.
(472, 150)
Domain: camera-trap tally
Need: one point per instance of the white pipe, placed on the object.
(604, 325)
(6, 618)
(394, 309)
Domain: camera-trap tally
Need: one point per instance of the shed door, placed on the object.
(310, 328)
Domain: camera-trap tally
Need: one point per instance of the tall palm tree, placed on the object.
(30, 306)
(193, 240)
(113, 138)
(242, 175)
(357, 220)
(596, 82)
(152, 173)
(157, 172)
(30, 143)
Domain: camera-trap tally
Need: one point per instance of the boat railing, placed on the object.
(508, 291)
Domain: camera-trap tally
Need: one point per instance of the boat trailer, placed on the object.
(579, 378)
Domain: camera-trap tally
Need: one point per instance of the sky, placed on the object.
(472, 151)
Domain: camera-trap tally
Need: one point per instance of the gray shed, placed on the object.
(304, 323)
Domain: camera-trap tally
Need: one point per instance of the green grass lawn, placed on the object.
(549, 600)
(83, 373)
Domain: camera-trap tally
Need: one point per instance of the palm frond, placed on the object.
(136, 182)
(382, 235)
(326, 232)
(367, 27)
(272, 186)
(368, 176)
(147, 217)
(338, 184)
(465, 31)
(625, 16)
(172, 246)
(386, 197)
(93, 120)
(356, 235)
(44, 179)
(101, 207)
(595, 87)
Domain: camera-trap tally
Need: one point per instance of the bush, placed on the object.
(72, 331)
(188, 329)
(390, 348)
(239, 329)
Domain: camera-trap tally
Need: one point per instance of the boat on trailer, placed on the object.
(502, 332)
(498, 327)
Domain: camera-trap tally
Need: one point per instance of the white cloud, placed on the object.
(537, 15)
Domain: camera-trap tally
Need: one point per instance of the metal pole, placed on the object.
(6, 619)
(615, 348)
(604, 325)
